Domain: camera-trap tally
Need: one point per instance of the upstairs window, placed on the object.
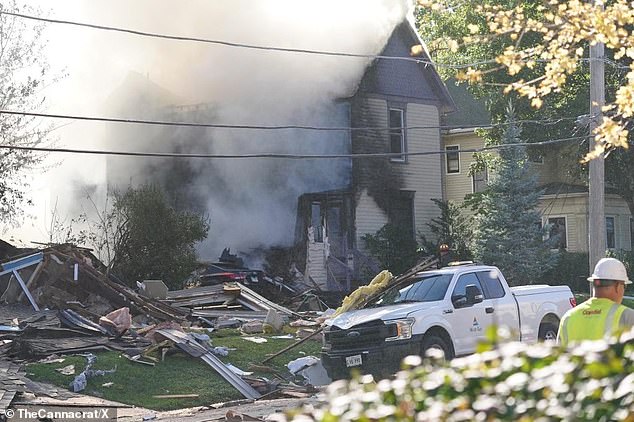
(558, 230)
(610, 233)
(453, 158)
(397, 133)
(480, 180)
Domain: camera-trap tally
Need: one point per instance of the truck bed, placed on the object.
(537, 289)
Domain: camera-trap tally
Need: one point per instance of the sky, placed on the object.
(242, 86)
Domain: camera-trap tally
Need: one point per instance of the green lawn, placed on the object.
(135, 383)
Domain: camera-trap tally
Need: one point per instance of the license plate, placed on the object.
(353, 360)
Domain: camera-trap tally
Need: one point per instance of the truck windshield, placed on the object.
(428, 288)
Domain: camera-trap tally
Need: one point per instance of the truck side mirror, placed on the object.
(459, 301)
(474, 294)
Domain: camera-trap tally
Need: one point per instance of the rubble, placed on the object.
(66, 276)
(61, 300)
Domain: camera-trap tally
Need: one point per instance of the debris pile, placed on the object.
(61, 301)
(69, 277)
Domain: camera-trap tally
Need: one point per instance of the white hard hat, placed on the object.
(609, 270)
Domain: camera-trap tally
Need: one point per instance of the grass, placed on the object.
(136, 384)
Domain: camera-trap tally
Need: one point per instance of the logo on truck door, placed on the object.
(475, 327)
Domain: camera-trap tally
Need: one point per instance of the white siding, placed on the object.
(458, 185)
(316, 265)
(575, 208)
(422, 173)
(369, 219)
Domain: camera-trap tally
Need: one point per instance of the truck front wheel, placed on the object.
(435, 342)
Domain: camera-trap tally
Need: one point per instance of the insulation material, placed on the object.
(359, 296)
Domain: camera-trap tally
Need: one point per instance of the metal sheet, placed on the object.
(188, 344)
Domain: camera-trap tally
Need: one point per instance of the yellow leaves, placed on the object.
(625, 100)
(416, 50)
(566, 28)
(472, 76)
(611, 133)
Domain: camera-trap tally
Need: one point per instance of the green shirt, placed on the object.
(594, 319)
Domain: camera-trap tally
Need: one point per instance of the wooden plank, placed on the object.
(176, 396)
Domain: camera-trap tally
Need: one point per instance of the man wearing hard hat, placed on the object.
(602, 315)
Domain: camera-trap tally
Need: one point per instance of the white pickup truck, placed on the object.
(448, 309)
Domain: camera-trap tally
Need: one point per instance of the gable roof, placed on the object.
(414, 82)
(470, 111)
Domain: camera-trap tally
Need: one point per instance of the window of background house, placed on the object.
(453, 159)
(610, 232)
(480, 180)
(397, 133)
(558, 228)
(632, 233)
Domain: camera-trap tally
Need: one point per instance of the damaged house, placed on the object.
(323, 207)
(397, 189)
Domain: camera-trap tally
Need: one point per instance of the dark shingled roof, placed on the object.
(470, 111)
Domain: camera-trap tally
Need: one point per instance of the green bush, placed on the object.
(592, 382)
(393, 248)
(571, 270)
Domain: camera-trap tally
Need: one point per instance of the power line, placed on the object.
(217, 42)
(280, 155)
(280, 49)
(279, 127)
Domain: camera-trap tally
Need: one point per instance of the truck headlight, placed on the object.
(403, 329)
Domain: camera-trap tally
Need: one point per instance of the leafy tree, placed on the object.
(23, 73)
(451, 228)
(395, 252)
(470, 32)
(155, 240)
(507, 229)
(547, 41)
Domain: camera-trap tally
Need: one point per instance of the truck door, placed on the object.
(501, 304)
(469, 322)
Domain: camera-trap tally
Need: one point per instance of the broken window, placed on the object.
(397, 132)
(453, 158)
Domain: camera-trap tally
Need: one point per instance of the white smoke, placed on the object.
(251, 203)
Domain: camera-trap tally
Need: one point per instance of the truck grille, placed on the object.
(371, 333)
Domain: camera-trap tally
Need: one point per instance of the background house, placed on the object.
(564, 203)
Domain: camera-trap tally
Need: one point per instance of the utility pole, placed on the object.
(596, 181)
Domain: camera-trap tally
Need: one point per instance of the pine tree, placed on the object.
(450, 228)
(508, 231)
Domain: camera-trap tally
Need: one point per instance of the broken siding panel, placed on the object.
(316, 265)
(422, 174)
(369, 219)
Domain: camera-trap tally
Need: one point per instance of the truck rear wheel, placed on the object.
(548, 332)
(435, 342)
